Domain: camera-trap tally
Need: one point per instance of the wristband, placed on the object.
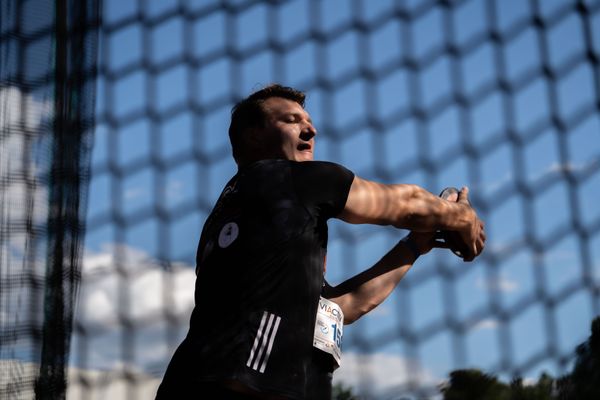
(410, 245)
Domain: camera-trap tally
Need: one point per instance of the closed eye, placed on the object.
(295, 118)
(291, 118)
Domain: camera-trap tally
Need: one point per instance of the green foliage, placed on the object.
(583, 383)
(542, 390)
(472, 384)
(341, 392)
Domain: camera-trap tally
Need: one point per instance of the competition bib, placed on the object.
(329, 329)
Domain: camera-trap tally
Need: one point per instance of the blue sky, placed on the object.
(161, 144)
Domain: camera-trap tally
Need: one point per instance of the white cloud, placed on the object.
(487, 323)
(90, 384)
(501, 284)
(20, 117)
(23, 203)
(572, 167)
(133, 288)
(568, 167)
(20, 111)
(9, 369)
(110, 385)
(382, 375)
(130, 292)
(492, 186)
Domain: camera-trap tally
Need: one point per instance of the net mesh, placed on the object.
(48, 58)
(502, 96)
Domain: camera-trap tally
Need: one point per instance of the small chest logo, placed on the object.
(228, 234)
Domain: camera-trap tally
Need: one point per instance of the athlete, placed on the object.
(265, 323)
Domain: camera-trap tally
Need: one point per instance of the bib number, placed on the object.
(329, 329)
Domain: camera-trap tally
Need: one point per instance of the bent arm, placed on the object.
(414, 208)
(365, 291)
(403, 206)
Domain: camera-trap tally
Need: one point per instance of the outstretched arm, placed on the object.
(412, 207)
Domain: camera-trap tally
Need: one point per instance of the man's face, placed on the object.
(289, 132)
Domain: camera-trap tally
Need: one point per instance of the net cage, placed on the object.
(500, 96)
(47, 83)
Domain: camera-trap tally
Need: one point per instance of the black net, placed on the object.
(502, 96)
(47, 63)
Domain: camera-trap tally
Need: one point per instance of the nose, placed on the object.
(308, 132)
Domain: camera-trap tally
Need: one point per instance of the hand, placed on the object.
(474, 234)
(424, 241)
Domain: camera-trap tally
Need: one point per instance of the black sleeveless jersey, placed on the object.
(260, 274)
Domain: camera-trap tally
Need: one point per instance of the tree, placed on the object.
(472, 384)
(584, 381)
(341, 392)
(542, 390)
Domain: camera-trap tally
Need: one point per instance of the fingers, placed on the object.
(476, 241)
(473, 237)
(480, 239)
(463, 195)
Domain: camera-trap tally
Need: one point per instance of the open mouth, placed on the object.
(304, 147)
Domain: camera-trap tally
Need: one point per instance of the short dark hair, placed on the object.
(249, 113)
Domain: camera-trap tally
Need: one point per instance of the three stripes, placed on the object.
(263, 342)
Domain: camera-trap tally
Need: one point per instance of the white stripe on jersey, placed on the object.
(257, 338)
(264, 364)
(265, 337)
(264, 342)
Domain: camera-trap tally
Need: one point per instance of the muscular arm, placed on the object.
(412, 207)
(403, 206)
(365, 291)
